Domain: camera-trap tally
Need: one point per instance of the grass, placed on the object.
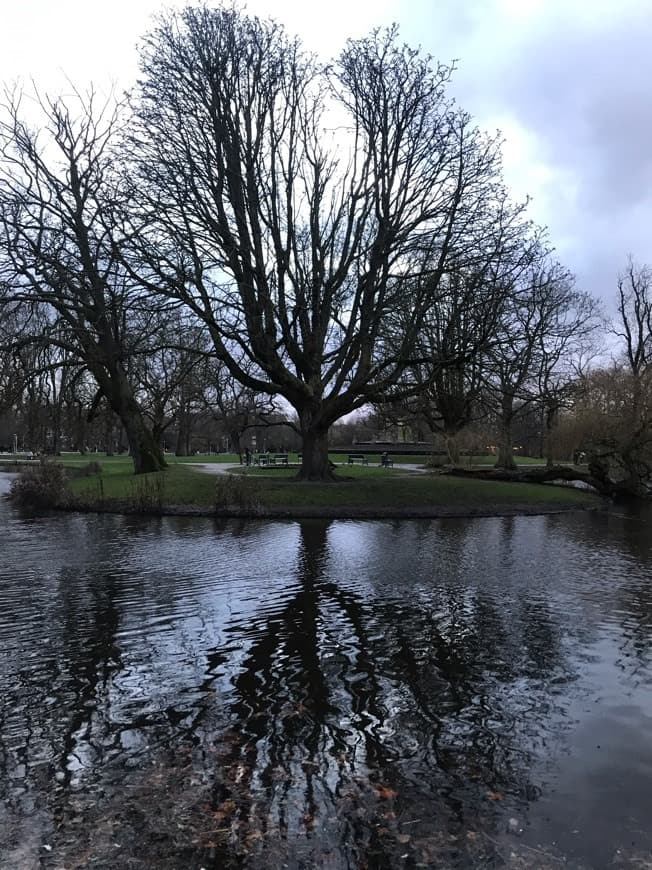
(175, 485)
(122, 459)
(365, 489)
(376, 487)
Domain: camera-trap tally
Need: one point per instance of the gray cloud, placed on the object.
(576, 77)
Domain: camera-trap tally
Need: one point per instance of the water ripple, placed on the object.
(408, 688)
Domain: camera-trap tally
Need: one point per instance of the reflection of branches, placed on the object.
(386, 722)
(366, 714)
(56, 742)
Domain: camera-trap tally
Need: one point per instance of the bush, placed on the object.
(148, 493)
(45, 487)
(88, 470)
(236, 491)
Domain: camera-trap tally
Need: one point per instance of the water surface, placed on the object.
(183, 693)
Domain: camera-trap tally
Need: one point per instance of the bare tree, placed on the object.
(238, 408)
(447, 376)
(634, 328)
(544, 314)
(293, 208)
(59, 201)
(619, 438)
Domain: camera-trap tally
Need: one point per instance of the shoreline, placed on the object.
(336, 513)
(413, 503)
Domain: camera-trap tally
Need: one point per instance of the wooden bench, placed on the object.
(261, 459)
(358, 457)
(278, 459)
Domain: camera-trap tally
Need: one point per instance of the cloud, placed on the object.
(568, 83)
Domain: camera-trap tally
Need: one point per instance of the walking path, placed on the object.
(225, 468)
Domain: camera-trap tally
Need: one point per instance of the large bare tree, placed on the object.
(297, 209)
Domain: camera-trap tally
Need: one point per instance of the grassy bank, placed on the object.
(366, 491)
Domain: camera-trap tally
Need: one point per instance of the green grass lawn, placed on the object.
(370, 487)
(123, 459)
(362, 488)
(176, 485)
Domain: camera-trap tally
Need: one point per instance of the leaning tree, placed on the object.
(296, 208)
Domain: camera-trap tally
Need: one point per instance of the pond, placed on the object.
(184, 693)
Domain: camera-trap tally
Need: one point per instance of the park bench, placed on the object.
(278, 459)
(358, 457)
(261, 459)
(386, 462)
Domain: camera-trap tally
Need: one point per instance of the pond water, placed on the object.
(183, 693)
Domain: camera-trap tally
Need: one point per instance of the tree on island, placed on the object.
(298, 210)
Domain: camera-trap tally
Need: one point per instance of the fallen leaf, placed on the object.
(384, 792)
(224, 810)
(495, 795)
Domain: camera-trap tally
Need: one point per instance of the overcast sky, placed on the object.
(568, 82)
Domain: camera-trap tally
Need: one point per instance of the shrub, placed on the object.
(88, 470)
(149, 493)
(236, 491)
(45, 487)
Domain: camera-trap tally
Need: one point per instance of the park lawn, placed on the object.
(491, 460)
(370, 487)
(364, 488)
(117, 483)
(72, 460)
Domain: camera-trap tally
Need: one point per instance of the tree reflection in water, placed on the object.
(344, 723)
(364, 732)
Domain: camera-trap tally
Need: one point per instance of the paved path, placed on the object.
(224, 467)
(211, 467)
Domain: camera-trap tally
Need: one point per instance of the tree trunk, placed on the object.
(56, 432)
(506, 439)
(236, 443)
(146, 454)
(551, 414)
(183, 432)
(452, 448)
(78, 418)
(108, 436)
(315, 464)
